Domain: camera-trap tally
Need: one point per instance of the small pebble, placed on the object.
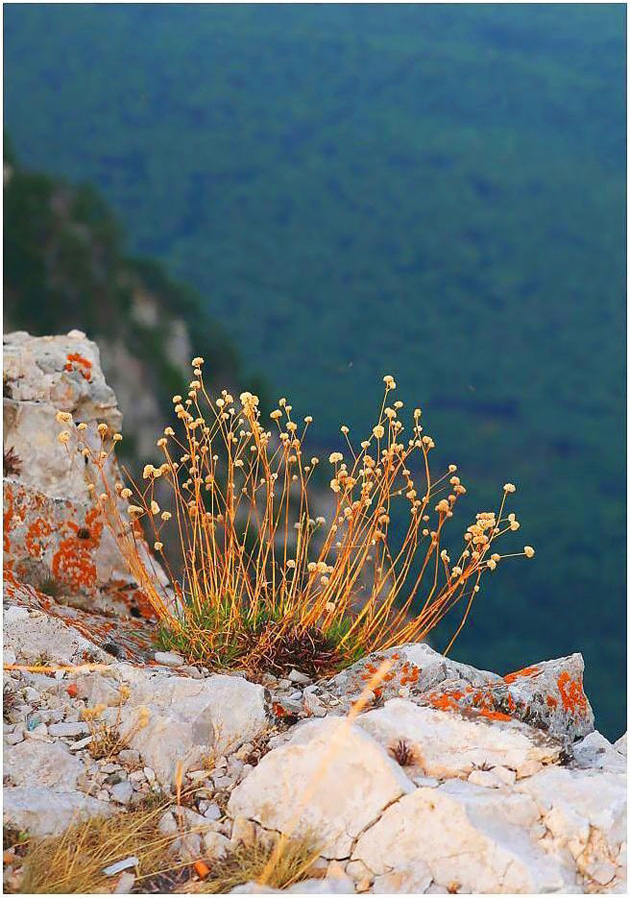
(125, 883)
(68, 729)
(129, 756)
(169, 659)
(80, 743)
(15, 737)
(212, 812)
(296, 676)
(122, 792)
(314, 705)
(222, 782)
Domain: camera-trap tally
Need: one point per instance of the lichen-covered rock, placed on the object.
(331, 779)
(62, 371)
(54, 536)
(415, 670)
(443, 744)
(465, 839)
(548, 695)
(62, 542)
(38, 626)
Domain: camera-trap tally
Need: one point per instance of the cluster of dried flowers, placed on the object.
(258, 571)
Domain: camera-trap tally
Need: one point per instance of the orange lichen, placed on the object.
(35, 537)
(76, 362)
(73, 564)
(494, 715)
(552, 702)
(524, 672)
(447, 701)
(572, 694)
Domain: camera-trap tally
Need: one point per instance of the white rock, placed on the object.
(446, 744)
(125, 883)
(188, 718)
(167, 824)
(461, 834)
(122, 792)
(331, 778)
(15, 737)
(595, 751)
(169, 659)
(40, 764)
(296, 676)
(79, 728)
(44, 811)
(337, 886)
(121, 865)
(129, 756)
(215, 845)
(34, 634)
(314, 705)
(621, 743)
(486, 778)
(415, 880)
(584, 811)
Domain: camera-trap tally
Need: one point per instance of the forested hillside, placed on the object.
(432, 191)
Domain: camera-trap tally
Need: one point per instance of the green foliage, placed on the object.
(436, 191)
(65, 267)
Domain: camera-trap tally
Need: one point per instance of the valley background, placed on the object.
(435, 192)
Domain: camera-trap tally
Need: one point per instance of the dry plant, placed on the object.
(264, 583)
(74, 861)
(247, 861)
(106, 739)
(403, 753)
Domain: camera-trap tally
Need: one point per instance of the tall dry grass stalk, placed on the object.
(265, 583)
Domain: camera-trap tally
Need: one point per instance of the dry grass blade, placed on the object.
(73, 862)
(246, 862)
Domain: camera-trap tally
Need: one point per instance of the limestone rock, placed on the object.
(32, 763)
(53, 528)
(446, 745)
(187, 719)
(331, 778)
(416, 669)
(34, 635)
(59, 539)
(585, 813)
(548, 695)
(596, 752)
(44, 811)
(466, 839)
(63, 371)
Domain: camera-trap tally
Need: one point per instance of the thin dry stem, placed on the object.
(258, 574)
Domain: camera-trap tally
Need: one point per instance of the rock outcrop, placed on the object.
(443, 778)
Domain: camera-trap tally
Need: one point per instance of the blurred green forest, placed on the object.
(432, 191)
